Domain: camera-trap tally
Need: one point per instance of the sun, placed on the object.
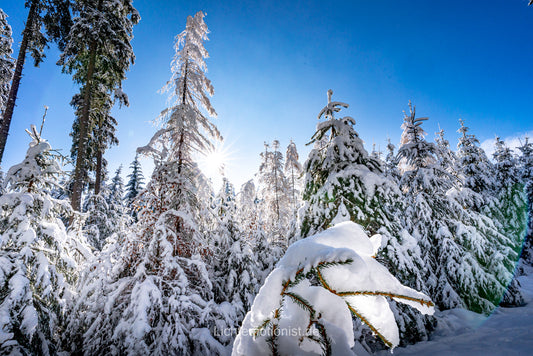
(213, 162)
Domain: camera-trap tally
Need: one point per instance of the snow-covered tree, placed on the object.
(98, 54)
(293, 172)
(341, 177)
(248, 214)
(97, 226)
(274, 194)
(512, 202)
(115, 202)
(446, 158)
(134, 187)
(511, 213)
(391, 163)
(307, 303)
(7, 63)
(234, 264)
(526, 175)
(37, 265)
(474, 166)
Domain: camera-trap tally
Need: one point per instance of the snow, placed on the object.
(507, 331)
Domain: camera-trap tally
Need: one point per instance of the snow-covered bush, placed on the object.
(307, 303)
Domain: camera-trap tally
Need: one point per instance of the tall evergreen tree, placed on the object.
(48, 20)
(98, 48)
(7, 63)
(102, 129)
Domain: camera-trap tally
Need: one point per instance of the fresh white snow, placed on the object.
(507, 331)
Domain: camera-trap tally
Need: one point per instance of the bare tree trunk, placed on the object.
(10, 105)
(78, 181)
(98, 180)
(79, 174)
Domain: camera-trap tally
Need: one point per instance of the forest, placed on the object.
(342, 252)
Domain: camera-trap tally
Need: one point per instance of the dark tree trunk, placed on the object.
(10, 105)
(79, 170)
(78, 181)
(98, 180)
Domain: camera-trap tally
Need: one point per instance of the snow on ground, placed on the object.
(508, 331)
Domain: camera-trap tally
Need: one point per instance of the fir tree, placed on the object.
(391, 164)
(98, 54)
(274, 194)
(446, 158)
(35, 253)
(48, 20)
(134, 187)
(293, 172)
(526, 175)
(7, 63)
(234, 266)
(474, 165)
(511, 213)
(336, 175)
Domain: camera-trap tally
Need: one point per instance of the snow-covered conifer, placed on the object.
(293, 172)
(341, 177)
(474, 166)
(98, 54)
(274, 193)
(526, 175)
(446, 158)
(134, 187)
(37, 265)
(391, 170)
(234, 264)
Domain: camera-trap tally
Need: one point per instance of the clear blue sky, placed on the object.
(273, 61)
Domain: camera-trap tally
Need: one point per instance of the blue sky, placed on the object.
(271, 63)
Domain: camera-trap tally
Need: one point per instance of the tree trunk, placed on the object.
(10, 105)
(78, 181)
(98, 180)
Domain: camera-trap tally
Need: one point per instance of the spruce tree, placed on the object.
(98, 45)
(274, 194)
(293, 172)
(36, 255)
(526, 175)
(134, 187)
(337, 171)
(234, 264)
(511, 213)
